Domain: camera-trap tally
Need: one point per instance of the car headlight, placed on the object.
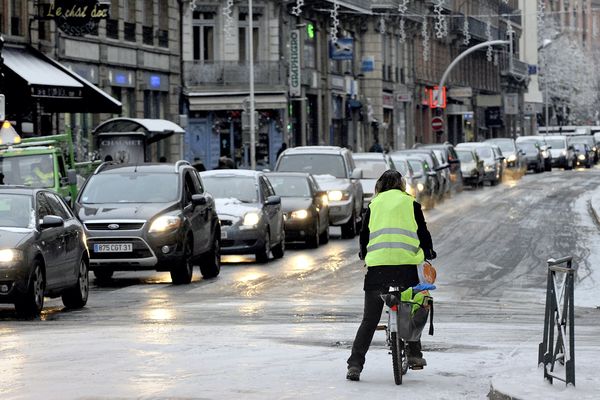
(299, 214)
(251, 218)
(325, 200)
(10, 255)
(545, 154)
(420, 187)
(489, 167)
(564, 152)
(338, 195)
(165, 223)
(581, 157)
(512, 158)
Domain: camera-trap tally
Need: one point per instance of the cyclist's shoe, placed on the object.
(353, 374)
(416, 362)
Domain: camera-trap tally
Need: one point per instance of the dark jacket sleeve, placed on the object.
(422, 232)
(364, 234)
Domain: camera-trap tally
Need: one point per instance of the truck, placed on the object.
(43, 162)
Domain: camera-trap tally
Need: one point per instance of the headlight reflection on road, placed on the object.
(160, 314)
(301, 263)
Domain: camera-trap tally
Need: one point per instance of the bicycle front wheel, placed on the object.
(398, 358)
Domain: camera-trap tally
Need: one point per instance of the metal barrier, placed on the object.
(557, 353)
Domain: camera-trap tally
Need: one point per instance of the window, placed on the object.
(244, 39)
(189, 188)
(310, 52)
(204, 36)
(16, 17)
(43, 207)
(148, 22)
(154, 104)
(56, 207)
(127, 98)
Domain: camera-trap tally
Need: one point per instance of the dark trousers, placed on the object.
(364, 336)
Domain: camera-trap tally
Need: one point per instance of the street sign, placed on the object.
(295, 62)
(437, 124)
(437, 97)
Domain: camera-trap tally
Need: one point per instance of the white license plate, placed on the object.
(223, 234)
(113, 247)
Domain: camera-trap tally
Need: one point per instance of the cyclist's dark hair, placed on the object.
(389, 180)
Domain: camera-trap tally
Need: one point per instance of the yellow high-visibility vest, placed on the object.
(393, 238)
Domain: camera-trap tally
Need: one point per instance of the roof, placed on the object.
(231, 172)
(146, 167)
(35, 70)
(23, 190)
(368, 156)
(153, 129)
(290, 174)
(315, 149)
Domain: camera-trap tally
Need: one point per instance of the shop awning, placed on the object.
(202, 101)
(154, 129)
(31, 76)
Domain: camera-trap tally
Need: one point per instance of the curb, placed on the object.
(593, 213)
(495, 394)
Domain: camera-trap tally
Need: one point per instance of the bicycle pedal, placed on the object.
(381, 327)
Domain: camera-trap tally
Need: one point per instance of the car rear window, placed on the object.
(134, 187)
(242, 188)
(465, 156)
(316, 164)
(16, 211)
(372, 169)
(290, 186)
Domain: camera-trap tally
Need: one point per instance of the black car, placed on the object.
(150, 217)
(584, 155)
(42, 251)
(305, 207)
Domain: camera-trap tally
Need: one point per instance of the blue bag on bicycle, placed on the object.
(414, 309)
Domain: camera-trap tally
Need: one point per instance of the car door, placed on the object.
(357, 189)
(206, 214)
(71, 237)
(51, 242)
(321, 209)
(270, 210)
(195, 214)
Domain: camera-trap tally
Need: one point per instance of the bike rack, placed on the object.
(560, 320)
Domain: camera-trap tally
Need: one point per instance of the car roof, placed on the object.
(315, 149)
(24, 190)
(232, 172)
(369, 156)
(131, 168)
(290, 174)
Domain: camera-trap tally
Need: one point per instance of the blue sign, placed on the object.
(342, 49)
(367, 64)
(154, 81)
(533, 69)
(121, 79)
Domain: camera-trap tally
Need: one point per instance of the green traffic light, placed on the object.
(310, 31)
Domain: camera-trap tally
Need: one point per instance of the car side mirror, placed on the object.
(51, 221)
(72, 177)
(273, 201)
(431, 173)
(357, 174)
(199, 200)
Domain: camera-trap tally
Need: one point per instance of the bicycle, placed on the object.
(399, 332)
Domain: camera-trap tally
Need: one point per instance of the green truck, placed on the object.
(43, 162)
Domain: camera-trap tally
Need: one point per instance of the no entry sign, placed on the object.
(437, 124)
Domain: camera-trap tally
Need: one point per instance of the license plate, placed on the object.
(223, 234)
(113, 247)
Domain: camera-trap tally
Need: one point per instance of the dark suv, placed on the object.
(149, 217)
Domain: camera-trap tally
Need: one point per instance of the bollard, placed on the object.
(557, 350)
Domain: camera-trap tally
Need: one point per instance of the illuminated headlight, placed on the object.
(581, 157)
(10, 255)
(545, 154)
(338, 195)
(512, 158)
(165, 223)
(489, 167)
(325, 200)
(299, 214)
(251, 219)
(420, 187)
(594, 148)
(564, 152)
(409, 189)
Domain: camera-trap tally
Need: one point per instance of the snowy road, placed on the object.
(283, 330)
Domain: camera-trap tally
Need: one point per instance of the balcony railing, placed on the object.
(226, 73)
(515, 68)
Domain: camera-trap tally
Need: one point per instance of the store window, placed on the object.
(244, 37)
(154, 104)
(127, 98)
(204, 36)
(17, 17)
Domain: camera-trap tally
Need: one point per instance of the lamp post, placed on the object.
(252, 107)
(546, 43)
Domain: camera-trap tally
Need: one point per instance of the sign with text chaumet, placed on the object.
(295, 62)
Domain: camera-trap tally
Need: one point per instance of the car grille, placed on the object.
(122, 226)
(140, 249)
(232, 243)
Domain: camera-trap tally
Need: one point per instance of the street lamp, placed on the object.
(251, 59)
(545, 43)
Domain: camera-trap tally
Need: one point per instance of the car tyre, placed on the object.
(212, 266)
(349, 228)
(103, 275)
(32, 302)
(262, 256)
(279, 250)
(324, 238)
(184, 270)
(77, 296)
(313, 240)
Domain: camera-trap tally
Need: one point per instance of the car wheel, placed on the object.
(103, 275)
(324, 238)
(212, 266)
(349, 228)
(279, 250)
(262, 256)
(32, 303)
(76, 297)
(183, 271)
(313, 240)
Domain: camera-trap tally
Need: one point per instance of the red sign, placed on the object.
(437, 97)
(437, 124)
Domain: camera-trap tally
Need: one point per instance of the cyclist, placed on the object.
(393, 241)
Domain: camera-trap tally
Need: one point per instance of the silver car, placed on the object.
(373, 165)
(492, 160)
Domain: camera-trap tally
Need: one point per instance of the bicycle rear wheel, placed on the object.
(399, 361)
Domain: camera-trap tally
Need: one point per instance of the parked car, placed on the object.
(590, 143)
(305, 207)
(585, 155)
(533, 155)
(43, 251)
(473, 171)
(334, 170)
(447, 155)
(515, 159)
(373, 165)
(442, 176)
(562, 152)
(149, 217)
(418, 183)
(492, 160)
(250, 213)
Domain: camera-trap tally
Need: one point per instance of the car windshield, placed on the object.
(316, 164)
(556, 143)
(16, 211)
(465, 156)
(290, 186)
(579, 146)
(528, 147)
(505, 145)
(135, 187)
(416, 166)
(372, 169)
(243, 188)
(484, 152)
(583, 139)
(34, 170)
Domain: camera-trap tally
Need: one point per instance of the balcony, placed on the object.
(516, 69)
(233, 73)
